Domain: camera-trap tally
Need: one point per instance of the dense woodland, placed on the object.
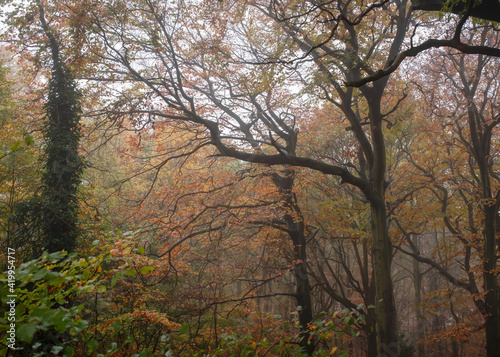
(250, 178)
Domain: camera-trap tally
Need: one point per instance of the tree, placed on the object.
(19, 152)
(63, 165)
(220, 80)
(223, 200)
(17, 159)
(453, 40)
(477, 86)
(245, 78)
(468, 186)
(48, 219)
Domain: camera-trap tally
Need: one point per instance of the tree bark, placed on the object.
(296, 231)
(486, 9)
(417, 286)
(385, 304)
(491, 303)
(387, 328)
(480, 135)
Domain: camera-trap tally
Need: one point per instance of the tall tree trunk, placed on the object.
(370, 298)
(303, 289)
(371, 342)
(480, 135)
(491, 315)
(385, 304)
(63, 165)
(417, 286)
(295, 227)
(381, 243)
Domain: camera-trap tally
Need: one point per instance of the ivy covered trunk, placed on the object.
(63, 165)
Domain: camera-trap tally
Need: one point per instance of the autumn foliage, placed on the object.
(261, 178)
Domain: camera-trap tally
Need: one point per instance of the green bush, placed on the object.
(40, 303)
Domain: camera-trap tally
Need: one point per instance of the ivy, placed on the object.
(63, 164)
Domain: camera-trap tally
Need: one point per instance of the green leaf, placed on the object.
(113, 347)
(40, 274)
(36, 345)
(92, 345)
(140, 250)
(29, 140)
(26, 332)
(82, 325)
(56, 349)
(114, 280)
(60, 300)
(86, 274)
(146, 270)
(130, 272)
(89, 288)
(145, 353)
(362, 319)
(55, 257)
(117, 325)
(54, 278)
(69, 352)
(15, 146)
(184, 329)
(101, 289)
